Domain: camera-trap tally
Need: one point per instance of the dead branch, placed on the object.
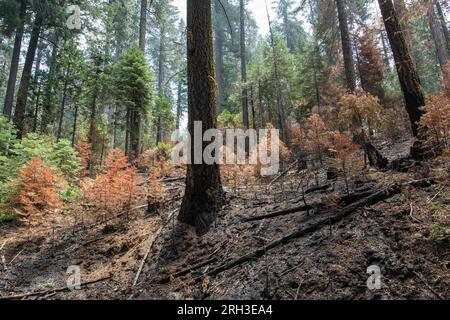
(309, 228)
(280, 213)
(52, 291)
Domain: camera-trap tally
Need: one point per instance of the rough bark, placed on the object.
(14, 66)
(406, 69)
(438, 37)
(444, 26)
(22, 95)
(204, 195)
(347, 50)
(402, 12)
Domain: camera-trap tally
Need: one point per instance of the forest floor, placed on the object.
(398, 234)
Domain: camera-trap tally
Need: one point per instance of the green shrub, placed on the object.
(64, 158)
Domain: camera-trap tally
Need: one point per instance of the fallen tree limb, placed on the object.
(309, 228)
(52, 291)
(280, 213)
(346, 200)
(151, 242)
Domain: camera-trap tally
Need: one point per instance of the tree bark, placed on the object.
(406, 69)
(22, 95)
(443, 25)
(74, 127)
(63, 105)
(204, 195)
(244, 96)
(14, 67)
(218, 32)
(347, 50)
(402, 13)
(438, 37)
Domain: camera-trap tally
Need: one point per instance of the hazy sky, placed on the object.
(256, 6)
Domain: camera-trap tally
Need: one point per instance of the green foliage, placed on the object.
(132, 78)
(64, 157)
(60, 156)
(7, 135)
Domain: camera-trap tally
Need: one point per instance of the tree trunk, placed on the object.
(63, 105)
(36, 109)
(406, 69)
(278, 88)
(443, 25)
(438, 38)
(402, 14)
(218, 32)
(244, 96)
(22, 96)
(252, 103)
(262, 113)
(346, 46)
(135, 115)
(74, 127)
(14, 67)
(179, 106)
(48, 90)
(204, 195)
(143, 25)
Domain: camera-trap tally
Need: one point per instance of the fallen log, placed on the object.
(52, 291)
(280, 213)
(309, 228)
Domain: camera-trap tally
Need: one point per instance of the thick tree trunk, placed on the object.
(438, 37)
(347, 50)
(22, 96)
(406, 69)
(14, 67)
(204, 195)
(244, 96)
(278, 87)
(402, 14)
